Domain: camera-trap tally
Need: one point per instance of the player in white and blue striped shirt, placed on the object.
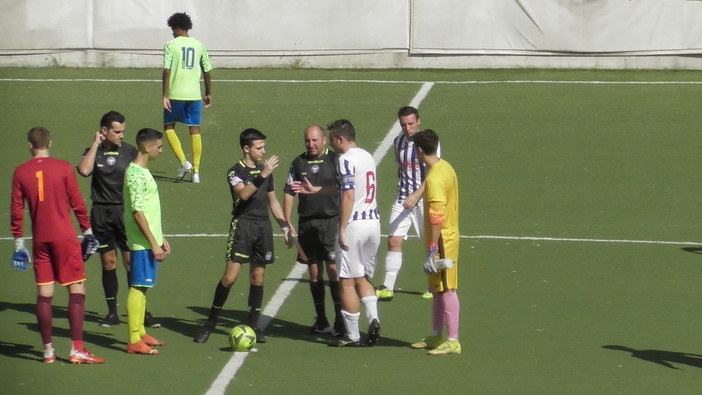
(359, 234)
(408, 209)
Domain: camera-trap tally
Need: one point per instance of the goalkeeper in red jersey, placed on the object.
(51, 191)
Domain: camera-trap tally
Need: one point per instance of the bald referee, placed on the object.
(318, 217)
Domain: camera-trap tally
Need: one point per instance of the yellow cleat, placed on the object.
(428, 343)
(446, 348)
(384, 294)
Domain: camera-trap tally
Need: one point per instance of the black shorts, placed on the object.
(250, 241)
(108, 227)
(318, 239)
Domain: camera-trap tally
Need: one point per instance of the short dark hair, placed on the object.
(109, 117)
(39, 137)
(180, 20)
(427, 140)
(343, 128)
(248, 136)
(408, 110)
(147, 135)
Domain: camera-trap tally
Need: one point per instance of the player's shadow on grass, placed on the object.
(276, 328)
(228, 319)
(104, 340)
(295, 331)
(90, 317)
(160, 176)
(165, 178)
(662, 357)
(22, 351)
(189, 328)
(60, 324)
(693, 250)
(399, 291)
(30, 308)
(418, 293)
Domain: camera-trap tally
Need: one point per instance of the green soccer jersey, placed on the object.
(187, 58)
(141, 194)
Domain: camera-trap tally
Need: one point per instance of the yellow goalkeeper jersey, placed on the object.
(441, 207)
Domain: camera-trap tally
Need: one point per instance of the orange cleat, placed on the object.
(85, 356)
(152, 341)
(141, 348)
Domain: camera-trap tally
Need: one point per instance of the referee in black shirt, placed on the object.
(318, 222)
(106, 160)
(250, 240)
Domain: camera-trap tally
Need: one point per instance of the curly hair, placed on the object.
(180, 20)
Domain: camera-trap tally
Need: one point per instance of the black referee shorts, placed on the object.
(250, 241)
(318, 238)
(108, 226)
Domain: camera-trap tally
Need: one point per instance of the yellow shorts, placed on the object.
(446, 279)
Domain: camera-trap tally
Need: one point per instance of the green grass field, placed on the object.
(580, 215)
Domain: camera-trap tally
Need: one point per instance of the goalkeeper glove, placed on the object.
(21, 256)
(89, 245)
(430, 263)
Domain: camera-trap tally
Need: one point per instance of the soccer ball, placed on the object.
(242, 338)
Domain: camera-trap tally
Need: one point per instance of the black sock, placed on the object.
(255, 302)
(110, 285)
(334, 291)
(317, 290)
(220, 298)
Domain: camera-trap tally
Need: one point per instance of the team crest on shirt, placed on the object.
(111, 160)
(314, 169)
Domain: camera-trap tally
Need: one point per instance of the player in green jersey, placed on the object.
(185, 61)
(148, 247)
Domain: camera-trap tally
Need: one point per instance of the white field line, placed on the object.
(219, 386)
(338, 81)
(485, 237)
(499, 237)
(581, 240)
(396, 129)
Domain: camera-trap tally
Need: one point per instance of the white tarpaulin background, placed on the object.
(556, 26)
(223, 25)
(359, 33)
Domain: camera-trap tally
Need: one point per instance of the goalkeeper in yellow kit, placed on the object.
(442, 239)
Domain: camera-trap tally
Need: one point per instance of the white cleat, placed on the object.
(185, 169)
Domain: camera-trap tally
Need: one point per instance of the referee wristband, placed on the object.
(258, 181)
